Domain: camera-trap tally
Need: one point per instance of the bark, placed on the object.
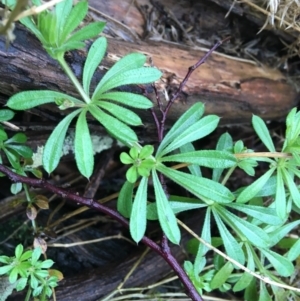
(230, 88)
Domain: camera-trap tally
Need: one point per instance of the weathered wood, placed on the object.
(232, 89)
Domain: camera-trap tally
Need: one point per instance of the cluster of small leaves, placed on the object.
(190, 126)
(249, 240)
(17, 154)
(26, 269)
(56, 31)
(248, 229)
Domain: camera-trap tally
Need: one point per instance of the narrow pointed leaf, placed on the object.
(62, 11)
(94, 57)
(128, 62)
(84, 154)
(263, 132)
(222, 275)
(87, 32)
(17, 138)
(33, 28)
(252, 233)
(115, 127)
(73, 20)
(200, 187)
(53, 147)
(22, 150)
(294, 251)
(281, 232)
(251, 191)
(246, 278)
(166, 216)
(137, 225)
(6, 115)
(193, 168)
(200, 129)
(30, 99)
(207, 158)
(206, 235)
(232, 247)
(280, 197)
(124, 204)
(123, 114)
(190, 117)
(143, 75)
(266, 215)
(281, 264)
(128, 99)
(224, 143)
(293, 189)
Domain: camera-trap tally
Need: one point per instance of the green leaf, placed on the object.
(244, 229)
(198, 130)
(263, 293)
(280, 197)
(30, 99)
(36, 254)
(221, 276)
(46, 264)
(6, 115)
(293, 189)
(123, 114)
(193, 168)
(128, 62)
(263, 133)
(84, 154)
(224, 143)
(141, 75)
(62, 11)
(279, 233)
(132, 174)
(232, 247)
(294, 251)
(190, 117)
(246, 278)
(19, 251)
(200, 187)
(73, 20)
(179, 204)
(53, 148)
(206, 235)
(128, 99)
(87, 32)
(33, 28)
(94, 57)
(124, 204)
(281, 264)
(166, 216)
(115, 127)
(207, 158)
(21, 284)
(5, 269)
(17, 138)
(252, 190)
(22, 150)
(137, 225)
(266, 215)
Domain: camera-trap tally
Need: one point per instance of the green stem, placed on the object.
(27, 298)
(228, 174)
(73, 78)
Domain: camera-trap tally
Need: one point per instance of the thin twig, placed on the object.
(260, 277)
(168, 257)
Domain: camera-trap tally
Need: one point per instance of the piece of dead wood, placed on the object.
(232, 89)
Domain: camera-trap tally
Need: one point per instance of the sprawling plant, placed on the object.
(249, 230)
